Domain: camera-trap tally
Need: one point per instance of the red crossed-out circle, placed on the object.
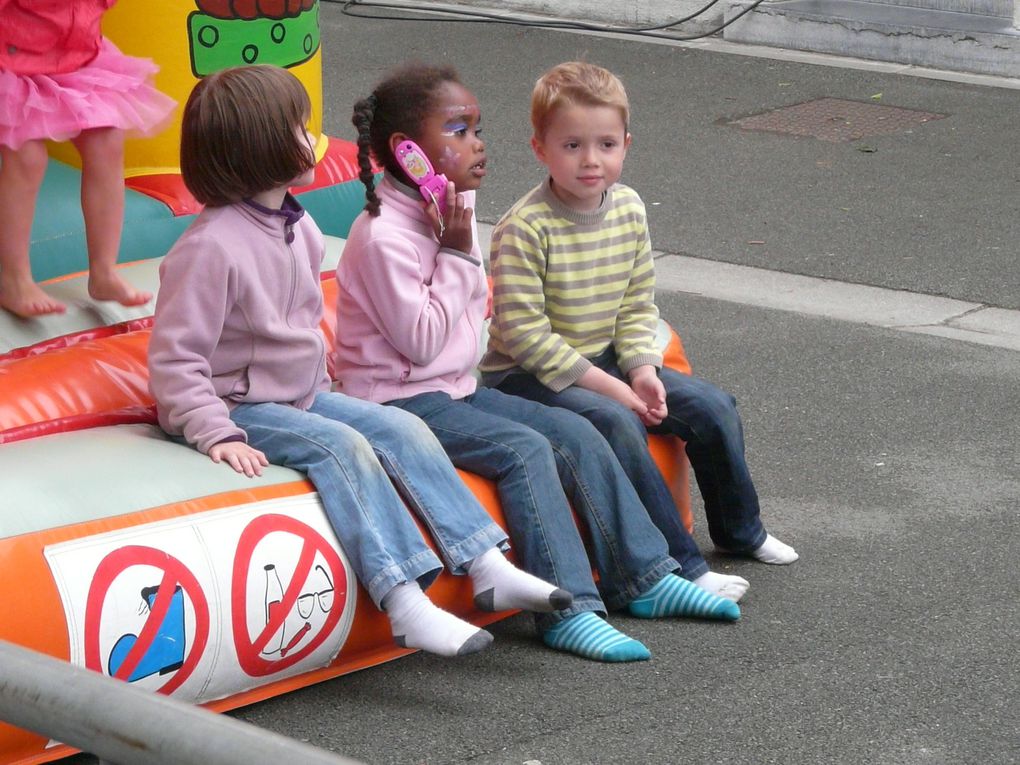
(174, 573)
(249, 651)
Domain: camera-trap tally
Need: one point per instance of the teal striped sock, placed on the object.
(675, 596)
(587, 635)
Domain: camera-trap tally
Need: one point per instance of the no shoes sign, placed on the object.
(208, 605)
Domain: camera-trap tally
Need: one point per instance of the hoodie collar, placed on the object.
(411, 192)
(290, 213)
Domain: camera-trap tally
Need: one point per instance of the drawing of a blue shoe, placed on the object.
(166, 653)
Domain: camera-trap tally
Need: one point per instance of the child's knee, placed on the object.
(346, 445)
(407, 424)
(721, 406)
(513, 445)
(702, 397)
(574, 432)
(29, 162)
(714, 416)
(530, 449)
(620, 427)
(101, 145)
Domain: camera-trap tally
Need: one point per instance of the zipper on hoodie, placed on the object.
(289, 240)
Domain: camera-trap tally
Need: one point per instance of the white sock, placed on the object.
(417, 622)
(723, 585)
(501, 586)
(774, 551)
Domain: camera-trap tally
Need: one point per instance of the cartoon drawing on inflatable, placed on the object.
(166, 652)
(222, 34)
(144, 560)
(287, 638)
(297, 609)
(159, 645)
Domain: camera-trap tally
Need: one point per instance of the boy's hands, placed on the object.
(645, 396)
(453, 230)
(602, 382)
(240, 456)
(645, 382)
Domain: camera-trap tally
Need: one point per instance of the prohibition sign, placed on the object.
(174, 573)
(248, 651)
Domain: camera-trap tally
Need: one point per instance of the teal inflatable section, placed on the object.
(335, 207)
(150, 227)
(58, 230)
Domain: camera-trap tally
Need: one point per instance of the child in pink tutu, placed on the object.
(61, 80)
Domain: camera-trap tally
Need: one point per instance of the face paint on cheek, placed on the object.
(448, 158)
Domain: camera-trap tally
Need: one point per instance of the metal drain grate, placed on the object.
(835, 120)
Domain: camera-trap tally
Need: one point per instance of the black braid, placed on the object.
(399, 104)
(364, 111)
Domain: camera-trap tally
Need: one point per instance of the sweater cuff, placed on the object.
(626, 365)
(218, 435)
(231, 440)
(569, 376)
(463, 255)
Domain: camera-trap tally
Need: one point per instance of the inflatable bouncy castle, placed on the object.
(133, 555)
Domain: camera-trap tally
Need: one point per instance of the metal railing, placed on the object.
(125, 725)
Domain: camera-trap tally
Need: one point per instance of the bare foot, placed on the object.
(27, 299)
(112, 287)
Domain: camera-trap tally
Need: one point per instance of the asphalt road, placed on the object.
(889, 460)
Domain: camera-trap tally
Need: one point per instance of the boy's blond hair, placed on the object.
(576, 83)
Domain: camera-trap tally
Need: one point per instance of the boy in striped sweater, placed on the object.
(574, 318)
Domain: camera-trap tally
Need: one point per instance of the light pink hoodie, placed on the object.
(237, 319)
(409, 314)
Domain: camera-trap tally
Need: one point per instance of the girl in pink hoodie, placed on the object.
(237, 366)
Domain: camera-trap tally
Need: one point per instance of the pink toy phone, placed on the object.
(418, 168)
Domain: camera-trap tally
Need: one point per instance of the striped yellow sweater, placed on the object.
(566, 284)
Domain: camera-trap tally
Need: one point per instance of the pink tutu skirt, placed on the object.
(112, 90)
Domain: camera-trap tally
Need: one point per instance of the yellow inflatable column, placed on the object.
(190, 39)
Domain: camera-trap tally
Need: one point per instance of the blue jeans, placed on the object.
(539, 457)
(706, 418)
(350, 450)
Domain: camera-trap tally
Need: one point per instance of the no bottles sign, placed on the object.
(302, 599)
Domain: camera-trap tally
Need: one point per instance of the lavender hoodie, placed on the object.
(409, 314)
(237, 319)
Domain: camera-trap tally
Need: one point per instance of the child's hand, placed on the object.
(602, 382)
(645, 382)
(240, 456)
(453, 230)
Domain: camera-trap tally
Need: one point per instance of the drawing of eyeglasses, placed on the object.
(306, 601)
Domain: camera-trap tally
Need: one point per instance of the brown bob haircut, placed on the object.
(240, 134)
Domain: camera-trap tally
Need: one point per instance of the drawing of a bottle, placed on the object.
(274, 602)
